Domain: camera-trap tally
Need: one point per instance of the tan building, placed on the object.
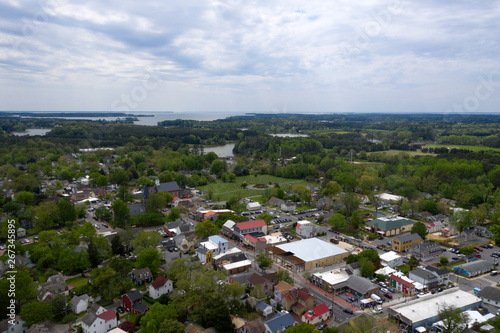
(306, 254)
(404, 243)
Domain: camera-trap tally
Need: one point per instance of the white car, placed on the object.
(384, 290)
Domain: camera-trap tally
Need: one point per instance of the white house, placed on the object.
(253, 206)
(490, 295)
(161, 285)
(264, 308)
(391, 259)
(306, 229)
(214, 246)
(79, 303)
(21, 232)
(13, 326)
(99, 323)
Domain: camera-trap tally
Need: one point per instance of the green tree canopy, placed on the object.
(205, 228)
(420, 229)
(151, 258)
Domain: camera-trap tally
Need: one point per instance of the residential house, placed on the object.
(402, 283)
(256, 243)
(254, 228)
(253, 206)
(465, 237)
(228, 228)
(317, 314)
(391, 259)
(266, 281)
(474, 268)
(79, 303)
(177, 227)
(214, 246)
(21, 232)
(288, 206)
(483, 232)
(363, 199)
(433, 227)
(132, 302)
(389, 226)
(426, 251)
(54, 285)
(307, 229)
(426, 278)
(299, 301)
(324, 202)
(279, 323)
(353, 268)
(264, 309)
(442, 274)
(141, 276)
(160, 286)
(99, 322)
(448, 202)
(254, 326)
(276, 202)
(404, 243)
(13, 326)
(136, 208)
(490, 295)
(281, 290)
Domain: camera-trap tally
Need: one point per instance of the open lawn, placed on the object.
(397, 152)
(224, 191)
(473, 148)
(77, 281)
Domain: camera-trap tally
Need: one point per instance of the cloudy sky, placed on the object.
(263, 56)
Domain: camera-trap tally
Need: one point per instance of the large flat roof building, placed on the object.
(306, 254)
(425, 311)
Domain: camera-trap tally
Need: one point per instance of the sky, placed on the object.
(250, 56)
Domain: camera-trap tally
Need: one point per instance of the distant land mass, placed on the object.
(74, 114)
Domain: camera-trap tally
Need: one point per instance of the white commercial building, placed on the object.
(391, 259)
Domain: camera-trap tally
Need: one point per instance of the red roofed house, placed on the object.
(99, 323)
(256, 227)
(160, 286)
(402, 283)
(317, 314)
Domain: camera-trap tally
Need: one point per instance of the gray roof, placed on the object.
(134, 295)
(136, 208)
(438, 271)
(280, 321)
(360, 284)
(426, 275)
(141, 307)
(478, 265)
(89, 318)
(76, 299)
(490, 292)
(168, 187)
(406, 238)
(141, 274)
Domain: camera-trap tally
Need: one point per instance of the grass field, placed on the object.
(397, 152)
(473, 148)
(77, 281)
(224, 191)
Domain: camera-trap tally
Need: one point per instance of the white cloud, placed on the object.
(247, 55)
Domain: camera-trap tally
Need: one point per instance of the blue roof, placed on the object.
(217, 239)
(280, 321)
(261, 305)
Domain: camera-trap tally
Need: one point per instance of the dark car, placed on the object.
(244, 296)
(392, 290)
(120, 309)
(493, 273)
(86, 275)
(349, 311)
(104, 225)
(389, 296)
(320, 327)
(439, 289)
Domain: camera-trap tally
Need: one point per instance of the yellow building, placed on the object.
(404, 243)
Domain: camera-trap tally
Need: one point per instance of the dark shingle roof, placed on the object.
(438, 271)
(134, 295)
(490, 292)
(406, 238)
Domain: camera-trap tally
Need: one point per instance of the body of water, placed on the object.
(33, 131)
(286, 135)
(225, 151)
(161, 116)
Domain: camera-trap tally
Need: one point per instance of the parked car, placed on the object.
(493, 273)
(384, 290)
(244, 296)
(104, 225)
(389, 296)
(382, 284)
(120, 309)
(320, 327)
(349, 311)
(392, 290)
(478, 256)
